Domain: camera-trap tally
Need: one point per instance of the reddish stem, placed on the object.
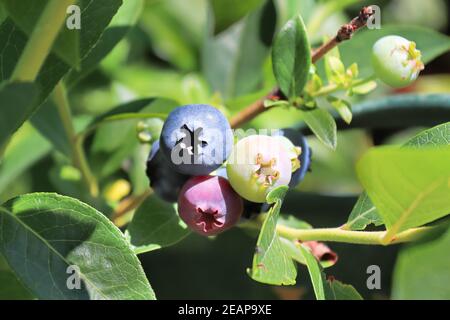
(345, 33)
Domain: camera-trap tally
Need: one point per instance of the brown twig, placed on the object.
(345, 33)
(252, 110)
(129, 204)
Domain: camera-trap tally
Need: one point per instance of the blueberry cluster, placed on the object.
(196, 163)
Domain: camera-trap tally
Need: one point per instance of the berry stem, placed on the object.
(332, 88)
(345, 33)
(342, 235)
(252, 110)
(77, 151)
(128, 204)
(355, 237)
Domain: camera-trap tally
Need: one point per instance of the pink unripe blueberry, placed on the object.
(208, 205)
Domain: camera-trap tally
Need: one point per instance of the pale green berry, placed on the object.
(292, 151)
(257, 165)
(396, 61)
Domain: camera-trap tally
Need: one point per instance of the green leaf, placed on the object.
(335, 70)
(409, 187)
(431, 43)
(48, 121)
(410, 110)
(155, 225)
(3, 13)
(227, 12)
(318, 279)
(16, 103)
(293, 251)
(137, 109)
(421, 270)
(118, 28)
(365, 88)
(176, 30)
(233, 61)
(12, 43)
(138, 165)
(291, 57)
(291, 247)
(26, 148)
(49, 124)
(323, 288)
(275, 103)
(323, 10)
(336, 290)
(364, 212)
(125, 129)
(11, 288)
(107, 155)
(353, 71)
(276, 195)
(271, 264)
(25, 15)
(287, 9)
(322, 125)
(96, 15)
(437, 136)
(293, 222)
(110, 153)
(43, 234)
(342, 107)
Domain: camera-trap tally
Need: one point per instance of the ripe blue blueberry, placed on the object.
(302, 162)
(208, 205)
(196, 139)
(165, 181)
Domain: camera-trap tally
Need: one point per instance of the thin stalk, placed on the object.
(3, 149)
(344, 33)
(347, 236)
(76, 145)
(41, 40)
(332, 88)
(129, 204)
(341, 235)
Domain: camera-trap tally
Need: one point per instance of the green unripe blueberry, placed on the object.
(396, 61)
(292, 151)
(257, 165)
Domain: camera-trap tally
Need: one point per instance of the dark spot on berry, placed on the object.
(209, 219)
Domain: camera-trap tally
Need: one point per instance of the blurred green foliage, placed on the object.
(174, 49)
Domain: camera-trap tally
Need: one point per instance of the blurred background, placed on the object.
(171, 53)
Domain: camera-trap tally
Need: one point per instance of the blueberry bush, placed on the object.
(291, 149)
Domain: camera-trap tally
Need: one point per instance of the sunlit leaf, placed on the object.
(271, 264)
(42, 235)
(291, 57)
